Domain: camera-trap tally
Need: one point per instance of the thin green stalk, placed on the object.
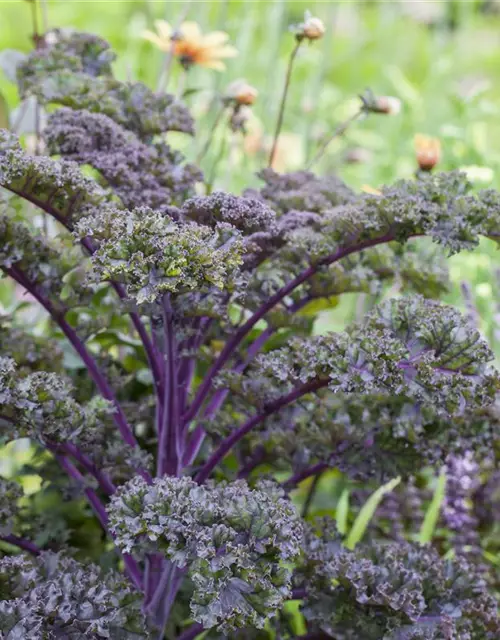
(210, 139)
(217, 161)
(45, 15)
(338, 132)
(311, 493)
(169, 57)
(279, 124)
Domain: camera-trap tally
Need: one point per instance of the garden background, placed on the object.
(441, 58)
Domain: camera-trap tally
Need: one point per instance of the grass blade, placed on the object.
(366, 514)
(432, 513)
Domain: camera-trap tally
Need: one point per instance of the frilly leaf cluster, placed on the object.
(74, 70)
(235, 543)
(31, 352)
(56, 185)
(397, 591)
(437, 205)
(41, 264)
(150, 175)
(410, 347)
(154, 255)
(55, 596)
(41, 406)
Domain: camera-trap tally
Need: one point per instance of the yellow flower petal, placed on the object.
(164, 29)
(215, 39)
(227, 51)
(164, 45)
(217, 65)
(190, 31)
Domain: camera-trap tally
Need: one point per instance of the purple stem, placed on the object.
(22, 543)
(227, 444)
(191, 633)
(92, 367)
(87, 243)
(306, 473)
(299, 593)
(131, 565)
(219, 397)
(149, 349)
(169, 447)
(164, 596)
(240, 334)
(252, 463)
(104, 480)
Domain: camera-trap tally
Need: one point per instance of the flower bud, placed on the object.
(428, 151)
(388, 105)
(241, 92)
(312, 28)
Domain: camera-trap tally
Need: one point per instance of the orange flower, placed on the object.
(428, 151)
(191, 46)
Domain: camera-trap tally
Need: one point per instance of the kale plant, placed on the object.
(200, 398)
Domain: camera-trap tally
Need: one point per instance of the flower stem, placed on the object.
(169, 57)
(337, 132)
(283, 100)
(310, 494)
(210, 139)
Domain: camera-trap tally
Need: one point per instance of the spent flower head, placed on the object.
(241, 93)
(312, 28)
(388, 105)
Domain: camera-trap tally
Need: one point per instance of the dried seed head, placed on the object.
(241, 92)
(428, 151)
(388, 105)
(312, 28)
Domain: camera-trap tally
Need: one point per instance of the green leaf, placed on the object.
(319, 304)
(432, 513)
(296, 619)
(367, 511)
(342, 512)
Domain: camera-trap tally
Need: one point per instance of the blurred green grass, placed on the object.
(448, 81)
